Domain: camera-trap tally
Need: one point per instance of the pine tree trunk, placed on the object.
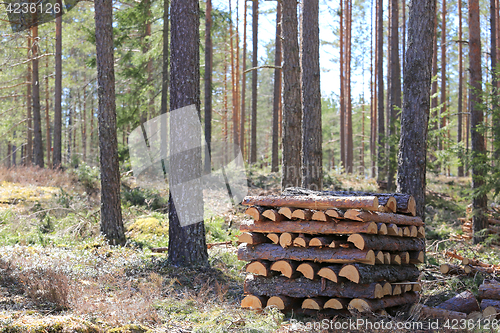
(442, 112)
(57, 158)
(243, 84)
(255, 27)
(380, 91)
(29, 104)
(312, 157)
(187, 246)
(47, 117)
(494, 79)
(349, 138)
(111, 215)
(277, 92)
(37, 118)
(479, 201)
(416, 94)
(460, 90)
(292, 113)
(165, 58)
(84, 127)
(395, 92)
(208, 84)
(69, 129)
(233, 80)
(373, 118)
(343, 147)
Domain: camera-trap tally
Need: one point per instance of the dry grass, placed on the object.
(35, 176)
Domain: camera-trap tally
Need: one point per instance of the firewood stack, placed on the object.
(493, 215)
(469, 266)
(331, 251)
(489, 294)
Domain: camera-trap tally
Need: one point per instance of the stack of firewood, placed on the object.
(468, 266)
(493, 216)
(331, 251)
(489, 294)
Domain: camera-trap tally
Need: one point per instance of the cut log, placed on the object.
(275, 252)
(387, 287)
(392, 229)
(359, 273)
(396, 290)
(405, 202)
(379, 258)
(475, 262)
(395, 259)
(302, 241)
(490, 312)
(381, 229)
(405, 257)
(386, 243)
(413, 231)
(490, 302)
(314, 202)
(309, 270)
(335, 213)
(417, 287)
(421, 232)
(400, 232)
(255, 212)
(391, 204)
(286, 267)
(252, 238)
(469, 269)
(254, 302)
(283, 302)
(321, 216)
(490, 291)
(366, 216)
(337, 303)
(464, 302)
(340, 243)
(287, 212)
(302, 214)
(320, 241)
(259, 267)
(383, 209)
(387, 258)
(406, 232)
(429, 312)
(286, 239)
(408, 287)
(275, 238)
(475, 316)
(316, 303)
(371, 305)
(273, 215)
(451, 269)
(310, 227)
(330, 272)
(417, 257)
(304, 288)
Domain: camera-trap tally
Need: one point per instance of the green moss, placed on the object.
(131, 328)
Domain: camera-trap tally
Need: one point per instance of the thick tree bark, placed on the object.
(208, 84)
(443, 101)
(494, 77)
(360, 273)
(292, 110)
(275, 252)
(460, 171)
(29, 105)
(165, 58)
(479, 201)
(37, 118)
(310, 227)
(187, 245)
(302, 287)
(47, 117)
(364, 216)
(255, 27)
(348, 119)
(489, 291)
(111, 215)
(312, 157)
(57, 158)
(368, 305)
(429, 312)
(380, 91)
(343, 146)
(277, 92)
(415, 114)
(386, 243)
(464, 302)
(243, 84)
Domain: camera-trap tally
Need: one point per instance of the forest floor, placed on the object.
(58, 275)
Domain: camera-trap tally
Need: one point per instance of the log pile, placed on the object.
(468, 266)
(331, 251)
(493, 216)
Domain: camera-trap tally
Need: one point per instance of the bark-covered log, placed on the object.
(320, 241)
(464, 302)
(417, 257)
(275, 238)
(335, 213)
(330, 272)
(275, 252)
(395, 259)
(283, 302)
(473, 269)
(254, 302)
(437, 313)
(314, 202)
(489, 312)
(490, 302)
(359, 273)
(286, 267)
(259, 267)
(287, 212)
(320, 215)
(405, 202)
(489, 291)
(379, 257)
(253, 238)
(315, 303)
(371, 305)
(309, 270)
(302, 214)
(451, 269)
(255, 212)
(304, 288)
(273, 215)
(337, 303)
(309, 227)
(405, 257)
(386, 243)
(475, 262)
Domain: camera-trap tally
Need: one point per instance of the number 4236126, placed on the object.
(33, 8)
